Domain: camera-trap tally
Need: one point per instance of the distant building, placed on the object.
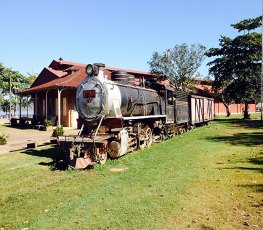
(204, 88)
(258, 107)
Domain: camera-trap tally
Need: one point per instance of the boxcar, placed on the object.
(201, 109)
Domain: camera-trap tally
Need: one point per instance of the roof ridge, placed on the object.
(69, 79)
(70, 63)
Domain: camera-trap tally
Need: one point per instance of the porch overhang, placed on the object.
(34, 90)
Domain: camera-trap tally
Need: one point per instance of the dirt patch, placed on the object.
(118, 169)
(18, 138)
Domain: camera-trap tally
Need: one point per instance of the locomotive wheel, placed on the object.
(180, 130)
(114, 149)
(156, 134)
(148, 137)
(103, 158)
(174, 131)
(141, 139)
(133, 143)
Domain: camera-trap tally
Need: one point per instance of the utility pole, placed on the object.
(261, 98)
(10, 96)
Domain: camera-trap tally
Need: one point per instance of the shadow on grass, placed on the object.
(260, 170)
(247, 139)
(258, 167)
(241, 122)
(254, 187)
(47, 153)
(258, 160)
(20, 127)
(57, 158)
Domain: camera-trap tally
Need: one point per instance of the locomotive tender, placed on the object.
(121, 117)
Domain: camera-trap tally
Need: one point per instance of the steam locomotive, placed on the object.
(121, 117)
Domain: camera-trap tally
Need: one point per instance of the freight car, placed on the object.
(121, 117)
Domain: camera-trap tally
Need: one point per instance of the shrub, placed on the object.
(3, 139)
(58, 131)
(48, 123)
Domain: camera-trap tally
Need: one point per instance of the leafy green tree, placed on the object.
(179, 64)
(237, 65)
(12, 81)
(1, 99)
(30, 78)
(7, 76)
(5, 105)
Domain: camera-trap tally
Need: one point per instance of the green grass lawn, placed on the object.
(209, 178)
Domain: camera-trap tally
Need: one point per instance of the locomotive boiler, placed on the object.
(99, 97)
(120, 116)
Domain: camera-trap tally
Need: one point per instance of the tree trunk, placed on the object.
(246, 114)
(15, 109)
(228, 113)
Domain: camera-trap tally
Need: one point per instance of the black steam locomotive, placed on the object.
(121, 117)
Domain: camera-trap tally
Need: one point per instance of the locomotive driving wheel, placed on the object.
(103, 158)
(145, 138)
(141, 139)
(102, 153)
(148, 137)
(158, 135)
(133, 142)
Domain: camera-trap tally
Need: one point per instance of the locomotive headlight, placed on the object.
(92, 70)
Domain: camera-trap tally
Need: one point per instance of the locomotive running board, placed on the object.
(82, 139)
(143, 117)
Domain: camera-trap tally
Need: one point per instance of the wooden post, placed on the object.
(46, 103)
(27, 106)
(20, 109)
(36, 106)
(59, 106)
(59, 115)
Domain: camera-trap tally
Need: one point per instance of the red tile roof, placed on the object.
(130, 71)
(204, 87)
(58, 73)
(69, 77)
(71, 74)
(69, 63)
(65, 81)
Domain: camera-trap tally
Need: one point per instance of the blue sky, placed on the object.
(118, 33)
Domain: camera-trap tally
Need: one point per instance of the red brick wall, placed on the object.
(220, 109)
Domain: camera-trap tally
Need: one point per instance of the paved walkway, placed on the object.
(19, 138)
